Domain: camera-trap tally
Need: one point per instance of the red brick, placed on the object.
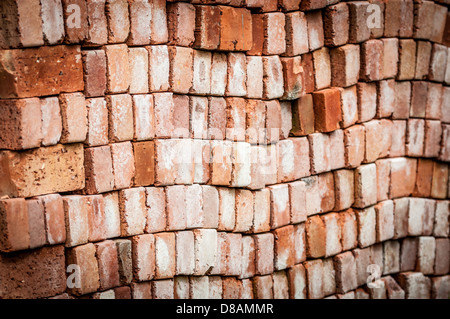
(144, 153)
(165, 255)
(181, 69)
(327, 110)
(297, 282)
(14, 219)
(299, 243)
(349, 106)
(98, 169)
(112, 215)
(274, 33)
(181, 23)
(345, 267)
(415, 137)
(236, 74)
(255, 121)
(235, 29)
(344, 189)
(315, 237)
(333, 234)
(198, 117)
(359, 30)
(292, 78)
(138, 59)
(176, 207)
(236, 119)
(51, 126)
(371, 60)
(442, 259)
(124, 254)
(402, 100)
(303, 116)
(207, 27)
(163, 289)
(315, 30)
(84, 257)
(74, 117)
(244, 211)
(433, 132)
(434, 101)
(140, 22)
(118, 21)
(308, 72)
(132, 211)
(367, 101)
(398, 139)
(366, 227)
(320, 156)
(257, 35)
(185, 259)
(217, 118)
(403, 177)
(415, 285)
(419, 95)
(439, 287)
(108, 266)
(143, 255)
(336, 24)
(120, 117)
(205, 246)
(349, 230)
(273, 82)
(34, 274)
(445, 146)
(221, 163)
(96, 218)
(322, 68)
(159, 68)
(296, 33)
(24, 27)
(423, 12)
(118, 68)
(423, 64)
(37, 67)
(123, 164)
(376, 18)
(36, 223)
(264, 246)
(52, 21)
(97, 23)
(439, 181)
(20, 126)
(159, 29)
(254, 77)
(314, 278)
(164, 115)
(97, 117)
(202, 72)
(344, 65)
(76, 219)
(407, 59)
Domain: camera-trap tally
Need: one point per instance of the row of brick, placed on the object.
(280, 285)
(77, 219)
(70, 118)
(259, 258)
(95, 23)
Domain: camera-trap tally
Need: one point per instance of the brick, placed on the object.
(52, 21)
(118, 68)
(354, 141)
(235, 29)
(322, 68)
(359, 30)
(254, 77)
(201, 72)
(118, 21)
(426, 255)
(415, 137)
(143, 256)
(428, 221)
(264, 252)
(66, 162)
(221, 166)
(393, 290)
(37, 66)
(98, 169)
(301, 161)
(14, 216)
(349, 231)
(185, 260)
(333, 234)
(408, 255)
(439, 19)
(398, 140)
(442, 256)
(326, 191)
(445, 146)
(373, 147)
(273, 82)
(248, 257)
(441, 228)
(97, 23)
(299, 243)
(181, 23)
(376, 19)
(407, 59)
(383, 177)
(140, 14)
(434, 101)
(124, 255)
(385, 98)
(365, 186)
(403, 175)
(371, 60)
(336, 24)
(25, 24)
(123, 164)
(296, 33)
(257, 35)
(199, 287)
(344, 65)
(96, 218)
(315, 30)
(384, 220)
(181, 69)
(111, 226)
(419, 94)
(366, 227)
(433, 131)
(159, 68)
(439, 181)
(327, 110)
(236, 75)
(255, 111)
(286, 119)
(292, 78)
(84, 257)
(280, 285)
(163, 289)
(120, 117)
(314, 275)
(36, 223)
(156, 209)
(345, 272)
(108, 267)
(423, 12)
(416, 216)
(207, 30)
(138, 70)
(303, 116)
(273, 121)
(165, 255)
(344, 189)
(144, 153)
(367, 96)
(315, 237)
(98, 128)
(132, 211)
(164, 109)
(402, 100)
(423, 64)
(319, 153)
(308, 72)
(176, 207)
(439, 287)
(415, 285)
(159, 29)
(201, 154)
(280, 206)
(244, 210)
(20, 126)
(74, 117)
(51, 121)
(274, 33)
(205, 244)
(297, 282)
(76, 220)
(362, 261)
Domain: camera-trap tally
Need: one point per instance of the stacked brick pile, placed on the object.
(224, 149)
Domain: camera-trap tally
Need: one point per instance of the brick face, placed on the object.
(224, 149)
